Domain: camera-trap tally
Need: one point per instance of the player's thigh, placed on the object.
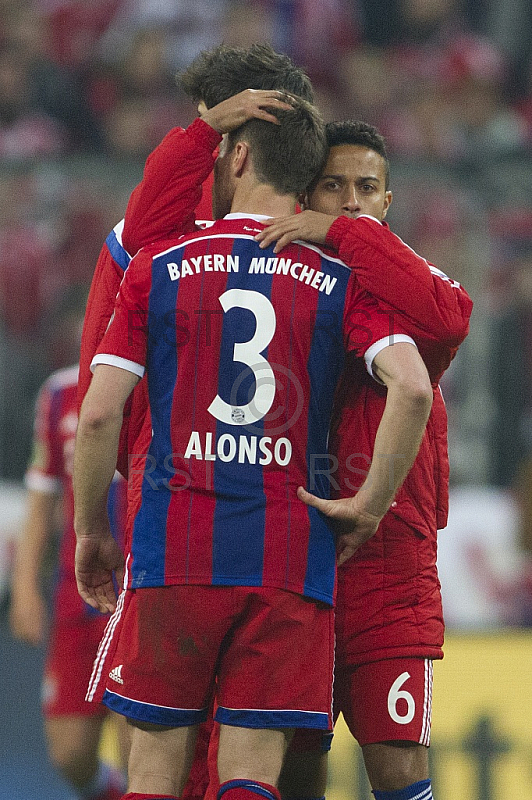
(168, 642)
(386, 701)
(277, 668)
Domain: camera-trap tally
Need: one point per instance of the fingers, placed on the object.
(101, 598)
(281, 230)
(311, 499)
(86, 596)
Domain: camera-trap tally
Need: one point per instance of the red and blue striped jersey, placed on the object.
(50, 472)
(243, 350)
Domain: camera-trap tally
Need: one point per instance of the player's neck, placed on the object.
(262, 199)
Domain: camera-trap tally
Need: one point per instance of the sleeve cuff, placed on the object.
(382, 344)
(117, 361)
(203, 133)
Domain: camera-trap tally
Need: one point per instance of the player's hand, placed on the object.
(97, 558)
(353, 525)
(28, 616)
(249, 104)
(309, 226)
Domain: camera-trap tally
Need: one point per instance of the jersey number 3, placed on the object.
(249, 353)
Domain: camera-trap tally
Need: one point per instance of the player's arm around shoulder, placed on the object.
(392, 271)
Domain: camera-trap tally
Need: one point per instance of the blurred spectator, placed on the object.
(316, 33)
(511, 375)
(476, 76)
(51, 89)
(137, 97)
(189, 26)
(26, 131)
(26, 258)
(75, 28)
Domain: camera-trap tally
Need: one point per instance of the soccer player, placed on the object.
(170, 197)
(229, 560)
(389, 624)
(162, 205)
(73, 727)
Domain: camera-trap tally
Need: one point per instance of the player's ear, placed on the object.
(240, 158)
(388, 197)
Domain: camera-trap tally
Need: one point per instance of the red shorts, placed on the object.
(68, 666)
(387, 700)
(270, 651)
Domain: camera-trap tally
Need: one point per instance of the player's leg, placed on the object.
(203, 773)
(73, 747)
(266, 688)
(253, 754)
(394, 766)
(160, 758)
(160, 674)
(304, 772)
(304, 776)
(73, 726)
(394, 728)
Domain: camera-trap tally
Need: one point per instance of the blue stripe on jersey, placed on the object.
(256, 718)
(147, 712)
(117, 250)
(241, 504)
(326, 349)
(161, 364)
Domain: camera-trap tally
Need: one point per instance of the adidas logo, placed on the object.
(116, 674)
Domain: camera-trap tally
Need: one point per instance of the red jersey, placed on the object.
(50, 471)
(435, 311)
(389, 599)
(243, 351)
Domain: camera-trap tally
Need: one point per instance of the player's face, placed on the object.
(353, 182)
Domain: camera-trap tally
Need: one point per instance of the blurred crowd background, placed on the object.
(87, 89)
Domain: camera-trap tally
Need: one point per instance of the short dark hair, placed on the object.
(217, 74)
(361, 133)
(288, 155)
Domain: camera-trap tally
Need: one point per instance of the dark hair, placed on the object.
(288, 155)
(361, 133)
(218, 74)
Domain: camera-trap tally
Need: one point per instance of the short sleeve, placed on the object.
(124, 344)
(369, 328)
(45, 471)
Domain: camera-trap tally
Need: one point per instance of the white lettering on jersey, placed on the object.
(301, 272)
(207, 263)
(246, 450)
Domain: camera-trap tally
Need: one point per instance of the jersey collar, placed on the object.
(240, 215)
